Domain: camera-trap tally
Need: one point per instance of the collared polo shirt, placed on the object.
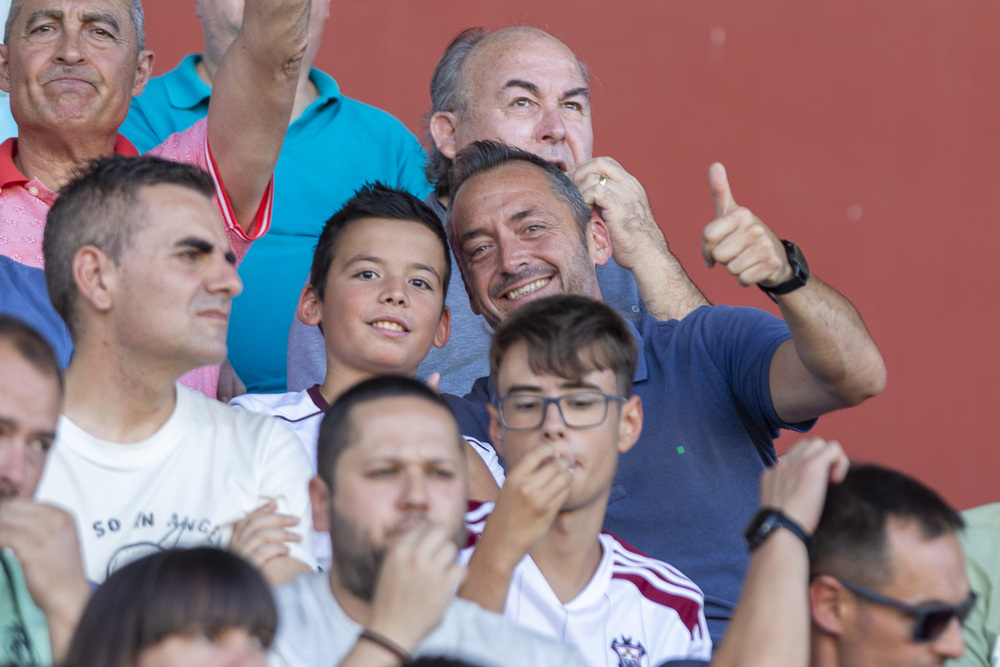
(684, 493)
(336, 146)
(25, 203)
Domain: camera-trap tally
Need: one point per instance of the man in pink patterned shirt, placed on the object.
(72, 67)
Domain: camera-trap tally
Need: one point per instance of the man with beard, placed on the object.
(392, 491)
(42, 586)
(717, 386)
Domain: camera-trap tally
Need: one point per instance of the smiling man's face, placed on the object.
(518, 241)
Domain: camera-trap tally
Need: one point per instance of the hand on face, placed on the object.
(533, 493)
(738, 239)
(417, 581)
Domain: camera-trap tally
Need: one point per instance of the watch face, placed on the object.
(795, 256)
(760, 527)
(769, 524)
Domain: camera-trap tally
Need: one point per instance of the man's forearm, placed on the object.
(771, 623)
(253, 93)
(831, 361)
(665, 287)
(489, 572)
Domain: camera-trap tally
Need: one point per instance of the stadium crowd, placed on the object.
(490, 419)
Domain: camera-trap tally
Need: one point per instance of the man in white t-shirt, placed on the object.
(139, 266)
(563, 369)
(391, 490)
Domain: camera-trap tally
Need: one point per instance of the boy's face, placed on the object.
(384, 304)
(592, 452)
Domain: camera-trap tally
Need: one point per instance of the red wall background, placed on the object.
(866, 132)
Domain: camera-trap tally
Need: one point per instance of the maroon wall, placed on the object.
(862, 131)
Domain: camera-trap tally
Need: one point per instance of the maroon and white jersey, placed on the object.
(635, 612)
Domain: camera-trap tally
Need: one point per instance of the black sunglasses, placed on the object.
(932, 618)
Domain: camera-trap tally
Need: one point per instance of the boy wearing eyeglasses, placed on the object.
(563, 370)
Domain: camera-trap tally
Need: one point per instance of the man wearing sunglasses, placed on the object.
(887, 582)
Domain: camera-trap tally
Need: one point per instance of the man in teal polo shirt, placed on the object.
(334, 144)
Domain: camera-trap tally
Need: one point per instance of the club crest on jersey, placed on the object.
(629, 652)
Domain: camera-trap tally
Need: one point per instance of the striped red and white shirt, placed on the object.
(636, 611)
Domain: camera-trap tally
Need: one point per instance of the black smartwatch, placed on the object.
(800, 272)
(766, 521)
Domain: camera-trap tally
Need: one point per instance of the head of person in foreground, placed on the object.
(195, 607)
(888, 584)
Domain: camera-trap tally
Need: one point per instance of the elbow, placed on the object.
(867, 383)
(291, 67)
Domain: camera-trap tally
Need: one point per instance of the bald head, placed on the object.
(519, 85)
(509, 41)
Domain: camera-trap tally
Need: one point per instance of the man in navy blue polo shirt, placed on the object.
(716, 386)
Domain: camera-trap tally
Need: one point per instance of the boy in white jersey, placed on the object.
(563, 369)
(376, 289)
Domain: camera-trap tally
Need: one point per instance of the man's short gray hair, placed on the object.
(135, 13)
(448, 94)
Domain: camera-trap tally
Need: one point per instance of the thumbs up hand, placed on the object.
(738, 239)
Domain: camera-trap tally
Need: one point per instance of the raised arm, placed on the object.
(831, 361)
(637, 242)
(252, 96)
(771, 623)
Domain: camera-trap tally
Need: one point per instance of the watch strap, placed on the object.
(769, 519)
(800, 272)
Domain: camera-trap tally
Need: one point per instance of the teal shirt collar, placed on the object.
(187, 90)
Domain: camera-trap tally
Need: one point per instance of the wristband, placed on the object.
(387, 644)
(766, 521)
